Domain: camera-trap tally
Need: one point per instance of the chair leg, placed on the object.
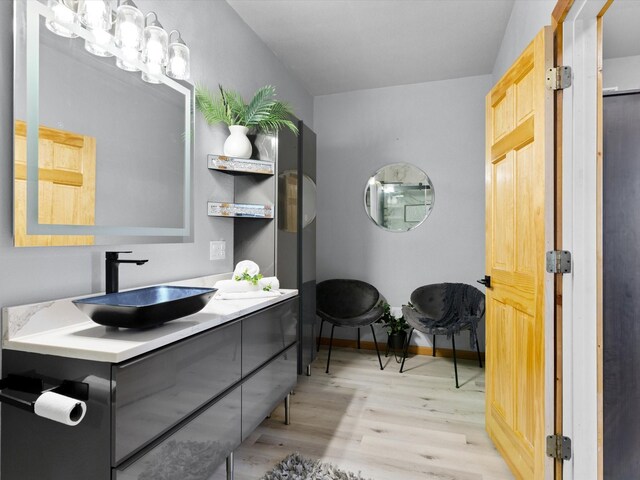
(406, 349)
(478, 350)
(330, 345)
(455, 362)
(375, 342)
(358, 338)
(320, 335)
(433, 351)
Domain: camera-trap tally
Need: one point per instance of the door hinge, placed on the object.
(558, 78)
(559, 261)
(559, 447)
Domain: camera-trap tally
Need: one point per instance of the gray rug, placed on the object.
(296, 467)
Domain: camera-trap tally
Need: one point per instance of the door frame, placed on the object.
(581, 183)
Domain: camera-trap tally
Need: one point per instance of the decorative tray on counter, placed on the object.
(239, 210)
(239, 165)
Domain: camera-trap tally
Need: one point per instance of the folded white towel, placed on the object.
(234, 286)
(245, 295)
(272, 282)
(250, 267)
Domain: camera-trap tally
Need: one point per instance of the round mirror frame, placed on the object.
(427, 182)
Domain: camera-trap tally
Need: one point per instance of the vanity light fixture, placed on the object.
(64, 13)
(155, 43)
(97, 16)
(128, 35)
(178, 66)
(139, 37)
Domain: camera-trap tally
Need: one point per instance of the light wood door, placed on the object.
(519, 169)
(66, 185)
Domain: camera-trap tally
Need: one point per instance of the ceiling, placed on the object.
(341, 45)
(621, 29)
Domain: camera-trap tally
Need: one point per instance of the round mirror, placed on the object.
(308, 200)
(288, 199)
(399, 197)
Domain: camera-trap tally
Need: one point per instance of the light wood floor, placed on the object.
(387, 425)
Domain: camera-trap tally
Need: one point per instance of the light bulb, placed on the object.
(99, 47)
(129, 25)
(94, 13)
(178, 66)
(128, 57)
(155, 52)
(102, 37)
(155, 42)
(129, 35)
(62, 15)
(154, 73)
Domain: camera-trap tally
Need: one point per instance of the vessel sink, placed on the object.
(145, 307)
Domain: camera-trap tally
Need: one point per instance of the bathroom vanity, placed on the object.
(171, 402)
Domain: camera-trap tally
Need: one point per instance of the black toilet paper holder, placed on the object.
(35, 386)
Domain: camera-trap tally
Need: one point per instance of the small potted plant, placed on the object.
(262, 114)
(396, 329)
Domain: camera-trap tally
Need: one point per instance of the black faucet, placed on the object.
(111, 268)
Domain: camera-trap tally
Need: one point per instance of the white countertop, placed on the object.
(59, 328)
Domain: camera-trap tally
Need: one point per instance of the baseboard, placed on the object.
(413, 349)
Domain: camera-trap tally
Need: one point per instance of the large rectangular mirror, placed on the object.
(100, 156)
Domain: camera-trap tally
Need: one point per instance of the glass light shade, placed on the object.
(129, 26)
(178, 66)
(127, 59)
(104, 39)
(95, 14)
(155, 43)
(128, 36)
(63, 14)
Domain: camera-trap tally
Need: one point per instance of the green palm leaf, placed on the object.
(264, 112)
(260, 105)
(212, 110)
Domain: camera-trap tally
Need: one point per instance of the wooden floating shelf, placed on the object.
(240, 165)
(239, 210)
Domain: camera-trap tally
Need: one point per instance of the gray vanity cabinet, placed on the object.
(180, 409)
(197, 448)
(156, 391)
(267, 334)
(262, 390)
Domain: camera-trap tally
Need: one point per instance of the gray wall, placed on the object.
(527, 18)
(623, 72)
(437, 126)
(224, 50)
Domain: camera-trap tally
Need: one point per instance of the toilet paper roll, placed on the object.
(60, 409)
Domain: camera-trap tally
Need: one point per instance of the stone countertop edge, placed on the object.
(87, 340)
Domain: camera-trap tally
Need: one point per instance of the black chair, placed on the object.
(348, 303)
(445, 309)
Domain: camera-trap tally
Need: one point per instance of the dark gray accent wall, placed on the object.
(621, 281)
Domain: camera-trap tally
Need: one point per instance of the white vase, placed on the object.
(237, 144)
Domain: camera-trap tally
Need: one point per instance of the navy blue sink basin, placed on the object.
(145, 307)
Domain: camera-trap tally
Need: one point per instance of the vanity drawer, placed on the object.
(155, 392)
(268, 332)
(266, 388)
(196, 449)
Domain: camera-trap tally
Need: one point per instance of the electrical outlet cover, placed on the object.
(217, 250)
